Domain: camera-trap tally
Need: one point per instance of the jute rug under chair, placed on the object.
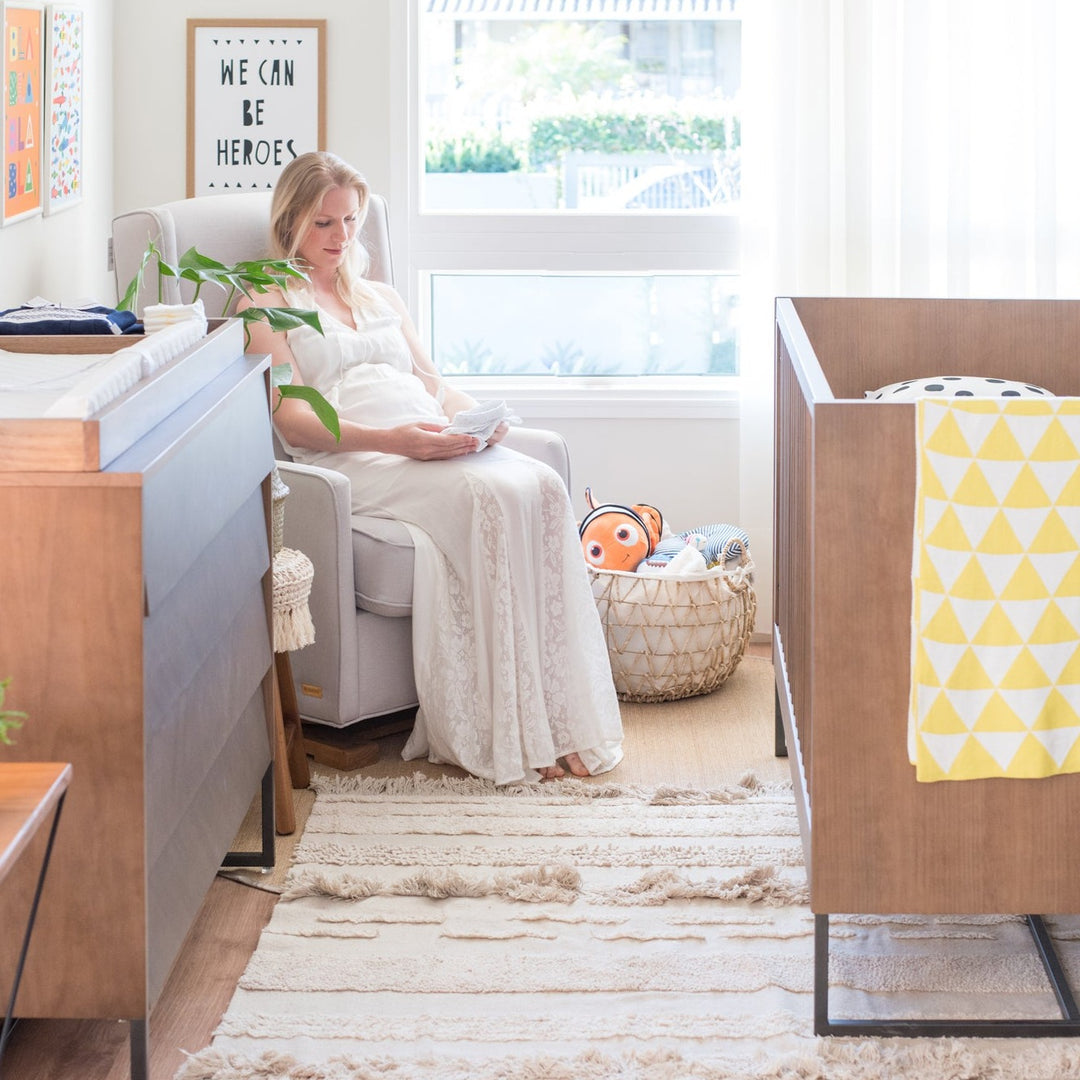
(444, 929)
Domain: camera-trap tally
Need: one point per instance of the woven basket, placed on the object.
(293, 574)
(674, 637)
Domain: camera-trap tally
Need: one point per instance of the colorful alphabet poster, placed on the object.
(255, 100)
(64, 107)
(23, 94)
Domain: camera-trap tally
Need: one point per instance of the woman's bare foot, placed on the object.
(551, 772)
(576, 765)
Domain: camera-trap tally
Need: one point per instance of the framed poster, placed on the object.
(63, 181)
(22, 91)
(256, 99)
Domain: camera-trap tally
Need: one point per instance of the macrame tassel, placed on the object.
(293, 574)
(293, 629)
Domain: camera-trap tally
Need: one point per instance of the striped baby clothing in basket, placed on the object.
(721, 545)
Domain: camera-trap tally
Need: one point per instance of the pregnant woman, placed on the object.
(511, 667)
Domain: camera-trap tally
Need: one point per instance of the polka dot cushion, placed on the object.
(951, 386)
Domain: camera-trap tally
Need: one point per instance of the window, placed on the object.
(584, 113)
(554, 324)
(574, 186)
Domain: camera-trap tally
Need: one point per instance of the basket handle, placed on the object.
(740, 577)
(729, 549)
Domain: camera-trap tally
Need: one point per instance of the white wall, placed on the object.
(62, 257)
(682, 467)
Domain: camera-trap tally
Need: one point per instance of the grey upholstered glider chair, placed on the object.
(360, 665)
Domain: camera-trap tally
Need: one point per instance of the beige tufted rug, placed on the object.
(443, 929)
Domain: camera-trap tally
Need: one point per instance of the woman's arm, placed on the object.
(452, 400)
(299, 426)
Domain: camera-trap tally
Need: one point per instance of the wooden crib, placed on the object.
(876, 840)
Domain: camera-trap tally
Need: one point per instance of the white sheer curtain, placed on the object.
(901, 148)
(916, 147)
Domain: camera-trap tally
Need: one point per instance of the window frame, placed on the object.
(551, 242)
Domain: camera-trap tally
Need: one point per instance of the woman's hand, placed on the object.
(427, 442)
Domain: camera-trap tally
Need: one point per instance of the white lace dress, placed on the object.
(510, 662)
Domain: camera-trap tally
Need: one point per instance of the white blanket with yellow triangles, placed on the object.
(995, 657)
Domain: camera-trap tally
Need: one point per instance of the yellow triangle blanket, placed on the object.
(995, 643)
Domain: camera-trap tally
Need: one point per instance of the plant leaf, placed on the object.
(282, 318)
(10, 719)
(127, 301)
(277, 268)
(280, 375)
(195, 260)
(322, 408)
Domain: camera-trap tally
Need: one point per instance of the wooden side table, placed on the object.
(31, 795)
(290, 758)
(293, 629)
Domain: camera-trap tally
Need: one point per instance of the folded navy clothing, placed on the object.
(56, 319)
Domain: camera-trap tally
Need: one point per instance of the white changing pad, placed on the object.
(75, 386)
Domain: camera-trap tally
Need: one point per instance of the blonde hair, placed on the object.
(297, 199)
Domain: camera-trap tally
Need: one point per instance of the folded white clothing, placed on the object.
(158, 316)
(482, 420)
(688, 561)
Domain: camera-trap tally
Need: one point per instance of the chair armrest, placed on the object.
(546, 446)
(317, 512)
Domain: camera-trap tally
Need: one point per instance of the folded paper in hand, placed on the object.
(482, 420)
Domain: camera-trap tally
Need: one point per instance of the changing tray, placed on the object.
(56, 432)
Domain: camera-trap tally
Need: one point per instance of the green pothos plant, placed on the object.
(10, 719)
(251, 278)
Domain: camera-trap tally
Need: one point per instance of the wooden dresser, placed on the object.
(134, 586)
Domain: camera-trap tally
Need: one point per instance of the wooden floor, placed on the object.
(228, 926)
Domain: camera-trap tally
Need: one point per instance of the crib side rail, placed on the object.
(796, 373)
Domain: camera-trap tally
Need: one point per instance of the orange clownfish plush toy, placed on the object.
(617, 537)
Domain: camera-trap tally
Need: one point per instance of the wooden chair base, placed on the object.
(339, 748)
(354, 747)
